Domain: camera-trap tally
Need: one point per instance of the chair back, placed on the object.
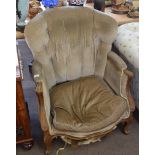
(71, 42)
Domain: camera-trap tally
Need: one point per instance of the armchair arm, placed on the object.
(114, 73)
(36, 71)
(43, 96)
(118, 77)
(42, 112)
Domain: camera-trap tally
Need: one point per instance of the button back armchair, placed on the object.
(82, 86)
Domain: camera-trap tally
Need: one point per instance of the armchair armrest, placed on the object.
(36, 71)
(118, 77)
(42, 92)
(114, 73)
(42, 112)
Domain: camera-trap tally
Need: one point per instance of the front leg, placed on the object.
(126, 123)
(128, 90)
(42, 114)
(129, 120)
(47, 142)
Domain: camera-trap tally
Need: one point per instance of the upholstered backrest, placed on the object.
(71, 42)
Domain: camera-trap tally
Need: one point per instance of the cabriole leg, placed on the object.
(48, 143)
(126, 124)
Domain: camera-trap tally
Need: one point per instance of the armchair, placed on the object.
(82, 86)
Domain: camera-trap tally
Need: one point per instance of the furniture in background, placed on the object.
(107, 2)
(50, 3)
(34, 8)
(19, 35)
(99, 5)
(77, 2)
(127, 46)
(121, 19)
(22, 8)
(82, 86)
(121, 6)
(135, 3)
(23, 132)
(127, 7)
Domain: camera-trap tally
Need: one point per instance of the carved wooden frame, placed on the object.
(44, 126)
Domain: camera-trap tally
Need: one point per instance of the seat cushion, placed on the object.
(85, 105)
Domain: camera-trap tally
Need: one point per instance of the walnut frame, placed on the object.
(44, 126)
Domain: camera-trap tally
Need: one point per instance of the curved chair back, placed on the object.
(71, 42)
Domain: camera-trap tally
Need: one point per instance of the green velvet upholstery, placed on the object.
(69, 43)
(84, 105)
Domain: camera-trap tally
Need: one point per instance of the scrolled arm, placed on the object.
(130, 98)
(114, 73)
(36, 71)
(42, 111)
(118, 77)
(42, 92)
(39, 88)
